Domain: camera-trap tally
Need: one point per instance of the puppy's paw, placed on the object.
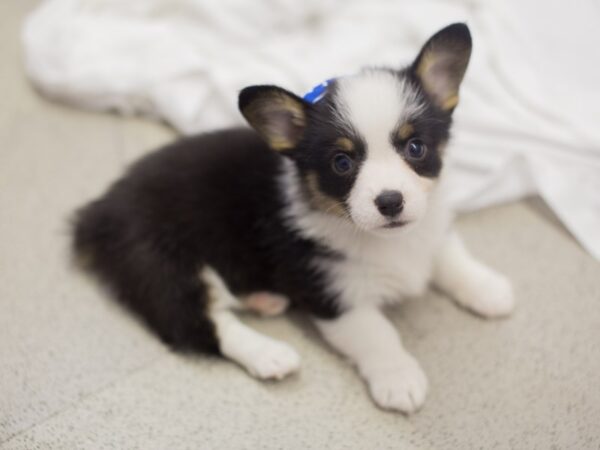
(266, 303)
(273, 360)
(488, 294)
(401, 387)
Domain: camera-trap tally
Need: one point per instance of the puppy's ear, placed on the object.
(278, 115)
(442, 63)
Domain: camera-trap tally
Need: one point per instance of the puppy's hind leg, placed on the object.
(262, 356)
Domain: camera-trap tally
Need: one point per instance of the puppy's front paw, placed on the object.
(488, 294)
(401, 387)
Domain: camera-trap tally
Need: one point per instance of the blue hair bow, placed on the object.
(317, 92)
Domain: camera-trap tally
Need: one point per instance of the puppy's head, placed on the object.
(371, 148)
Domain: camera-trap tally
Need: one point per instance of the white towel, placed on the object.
(528, 122)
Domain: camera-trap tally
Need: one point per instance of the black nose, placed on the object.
(389, 203)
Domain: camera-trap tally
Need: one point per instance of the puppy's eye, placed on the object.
(415, 150)
(342, 164)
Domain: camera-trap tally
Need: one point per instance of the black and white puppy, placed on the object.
(335, 207)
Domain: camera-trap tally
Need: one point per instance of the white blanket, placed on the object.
(528, 122)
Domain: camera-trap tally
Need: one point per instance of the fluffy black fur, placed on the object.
(216, 200)
(211, 199)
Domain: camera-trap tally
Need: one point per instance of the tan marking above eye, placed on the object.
(405, 131)
(345, 144)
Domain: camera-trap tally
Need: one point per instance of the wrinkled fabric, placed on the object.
(528, 121)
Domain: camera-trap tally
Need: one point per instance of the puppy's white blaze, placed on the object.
(375, 104)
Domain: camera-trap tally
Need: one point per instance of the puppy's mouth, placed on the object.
(395, 224)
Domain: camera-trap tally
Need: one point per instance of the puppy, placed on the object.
(333, 204)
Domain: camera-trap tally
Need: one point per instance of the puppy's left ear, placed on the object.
(442, 63)
(278, 115)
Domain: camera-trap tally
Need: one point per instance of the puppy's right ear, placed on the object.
(278, 115)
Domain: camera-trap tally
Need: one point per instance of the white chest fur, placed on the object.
(378, 270)
(375, 269)
(384, 270)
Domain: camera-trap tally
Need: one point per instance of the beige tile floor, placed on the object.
(75, 372)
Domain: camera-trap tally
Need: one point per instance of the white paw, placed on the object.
(266, 303)
(488, 294)
(273, 360)
(401, 387)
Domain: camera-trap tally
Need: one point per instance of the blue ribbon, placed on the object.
(318, 92)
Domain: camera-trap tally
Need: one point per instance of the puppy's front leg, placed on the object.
(367, 338)
(471, 283)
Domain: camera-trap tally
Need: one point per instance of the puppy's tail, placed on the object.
(170, 299)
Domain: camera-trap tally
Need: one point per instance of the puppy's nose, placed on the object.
(389, 203)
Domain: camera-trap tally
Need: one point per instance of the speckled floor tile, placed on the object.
(525, 382)
(59, 339)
